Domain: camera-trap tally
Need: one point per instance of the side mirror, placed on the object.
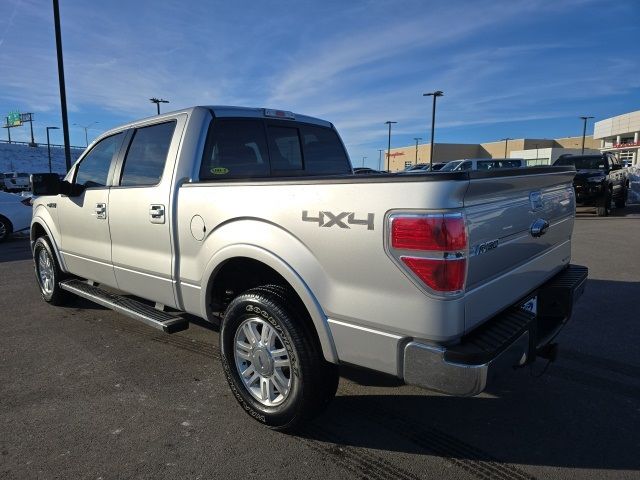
(45, 184)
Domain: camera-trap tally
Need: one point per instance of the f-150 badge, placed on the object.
(342, 219)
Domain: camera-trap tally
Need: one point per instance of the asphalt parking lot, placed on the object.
(88, 393)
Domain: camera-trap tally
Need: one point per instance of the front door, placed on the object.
(85, 242)
(140, 219)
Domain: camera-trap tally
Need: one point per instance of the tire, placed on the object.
(48, 273)
(281, 390)
(622, 201)
(603, 210)
(5, 228)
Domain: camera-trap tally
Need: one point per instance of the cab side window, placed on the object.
(235, 148)
(93, 170)
(147, 155)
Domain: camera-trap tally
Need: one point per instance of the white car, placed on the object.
(15, 214)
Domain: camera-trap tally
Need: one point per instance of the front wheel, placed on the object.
(5, 229)
(272, 360)
(622, 201)
(603, 210)
(48, 273)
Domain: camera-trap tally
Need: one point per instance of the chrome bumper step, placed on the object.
(132, 308)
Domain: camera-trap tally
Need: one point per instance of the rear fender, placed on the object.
(276, 245)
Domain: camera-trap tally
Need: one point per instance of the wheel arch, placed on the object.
(40, 227)
(266, 267)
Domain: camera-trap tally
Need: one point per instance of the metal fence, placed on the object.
(53, 145)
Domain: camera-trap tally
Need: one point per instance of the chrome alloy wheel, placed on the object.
(262, 362)
(45, 272)
(3, 230)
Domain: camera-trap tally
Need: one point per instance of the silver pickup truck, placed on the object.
(252, 218)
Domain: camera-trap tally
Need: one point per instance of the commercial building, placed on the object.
(620, 135)
(537, 151)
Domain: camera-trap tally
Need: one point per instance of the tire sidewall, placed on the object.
(7, 230)
(42, 244)
(251, 306)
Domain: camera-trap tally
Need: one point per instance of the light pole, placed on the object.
(437, 93)
(86, 127)
(379, 159)
(388, 122)
(63, 93)
(417, 139)
(584, 131)
(506, 142)
(363, 159)
(158, 101)
(49, 145)
(536, 153)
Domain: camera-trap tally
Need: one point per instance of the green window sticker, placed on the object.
(219, 171)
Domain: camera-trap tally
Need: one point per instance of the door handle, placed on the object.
(101, 211)
(156, 213)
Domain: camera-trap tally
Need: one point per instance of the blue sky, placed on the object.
(508, 68)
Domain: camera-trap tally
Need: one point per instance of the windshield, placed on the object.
(451, 166)
(582, 163)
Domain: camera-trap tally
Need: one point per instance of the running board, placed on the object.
(132, 308)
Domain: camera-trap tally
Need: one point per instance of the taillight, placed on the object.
(434, 232)
(433, 248)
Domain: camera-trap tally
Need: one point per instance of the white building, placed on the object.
(620, 135)
(546, 156)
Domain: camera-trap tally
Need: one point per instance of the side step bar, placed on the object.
(132, 308)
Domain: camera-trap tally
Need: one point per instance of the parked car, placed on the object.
(14, 181)
(483, 164)
(212, 211)
(15, 214)
(599, 180)
(423, 167)
(366, 171)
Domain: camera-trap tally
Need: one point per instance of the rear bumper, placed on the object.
(510, 339)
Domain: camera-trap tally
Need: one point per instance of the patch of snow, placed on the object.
(23, 158)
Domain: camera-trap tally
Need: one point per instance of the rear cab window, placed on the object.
(260, 148)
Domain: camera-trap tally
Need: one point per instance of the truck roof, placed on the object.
(232, 111)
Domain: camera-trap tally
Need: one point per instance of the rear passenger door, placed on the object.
(140, 203)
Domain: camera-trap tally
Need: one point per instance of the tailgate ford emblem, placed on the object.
(539, 227)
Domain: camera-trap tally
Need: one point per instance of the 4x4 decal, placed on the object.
(342, 219)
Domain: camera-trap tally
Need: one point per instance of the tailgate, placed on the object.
(519, 227)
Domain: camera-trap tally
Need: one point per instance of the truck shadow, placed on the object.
(582, 413)
(15, 248)
(630, 211)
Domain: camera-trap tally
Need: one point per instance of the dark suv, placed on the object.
(599, 180)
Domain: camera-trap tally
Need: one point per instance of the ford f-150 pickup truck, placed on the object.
(253, 218)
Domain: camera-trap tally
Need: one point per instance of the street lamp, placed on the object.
(506, 142)
(86, 127)
(63, 92)
(158, 101)
(417, 139)
(435, 94)
(388, 122)
(49, 145)
(584, 131)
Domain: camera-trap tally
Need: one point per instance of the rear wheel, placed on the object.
(272, 359)
(48, 273)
